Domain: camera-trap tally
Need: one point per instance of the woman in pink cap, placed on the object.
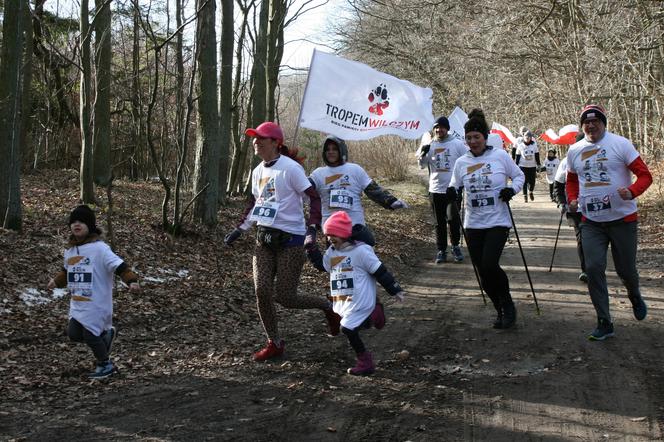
(278, 187)
(354, 269)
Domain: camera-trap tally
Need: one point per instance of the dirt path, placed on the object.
(462, 380)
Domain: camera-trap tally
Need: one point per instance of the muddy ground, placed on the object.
(185, 344)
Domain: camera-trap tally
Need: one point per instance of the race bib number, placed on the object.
(264, 212)
(341, 199)
(341, 284)
(598, 204)
(482, 200)
(79, 279)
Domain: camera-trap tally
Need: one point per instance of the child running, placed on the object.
(89, 265)
(354, 268)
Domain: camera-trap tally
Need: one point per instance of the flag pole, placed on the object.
(304, 95)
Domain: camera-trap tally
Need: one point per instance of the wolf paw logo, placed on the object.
(379, 100)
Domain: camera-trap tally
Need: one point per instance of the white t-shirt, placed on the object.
(527, 152)
(341, 188)
(90, 270)
(352, 286)
(551, 168)
(278, 190)
(602, 169)
(482, 178)
(440, 161)
(561, 173)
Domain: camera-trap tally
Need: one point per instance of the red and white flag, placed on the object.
(566, 135)
(356, 102)
(504, 133)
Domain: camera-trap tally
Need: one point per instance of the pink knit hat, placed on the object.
(339, 224)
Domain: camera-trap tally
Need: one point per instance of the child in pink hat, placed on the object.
(354, 269)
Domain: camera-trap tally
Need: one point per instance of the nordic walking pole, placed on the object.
(509, 209)
(562, 212)
(477, 275)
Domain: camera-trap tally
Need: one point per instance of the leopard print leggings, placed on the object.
(276, 277)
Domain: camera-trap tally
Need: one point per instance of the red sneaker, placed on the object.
(333, 322)
(364, 366)
(378, 316)
(271, 350)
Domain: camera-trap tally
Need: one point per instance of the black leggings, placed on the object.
(531, 174)
(353, 336)
(485, 247)
(444, 213)
(78, 333)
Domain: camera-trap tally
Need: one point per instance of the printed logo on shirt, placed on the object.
(595, 171)
(441, 159)
(474, 167)
(335, 260)
(268, 190)
(333, 178)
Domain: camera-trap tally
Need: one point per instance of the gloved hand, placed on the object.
(506, 194)
(424, 150)
(542, 169)
(399, 204)
(400, 296)
(231, 237)
(563, 208)
(451, 194)
(310, 237)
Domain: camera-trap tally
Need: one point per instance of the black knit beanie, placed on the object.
(442, 121)
(477, 123)
(85, 215)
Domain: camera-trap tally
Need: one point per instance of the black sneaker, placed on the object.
(103, 370)
(639, 307)
(583, 277)
(458, 255)
(509, 315)
(441, 257)
(525, 198)
(532, 197)
(604, 330)
(498, 323)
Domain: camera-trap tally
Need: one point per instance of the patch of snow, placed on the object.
(32, 296)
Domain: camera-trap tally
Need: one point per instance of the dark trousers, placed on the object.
(574, 220)
(531, 174)
(551, 192)
(78, 333)
(445, 212)
(485, 247)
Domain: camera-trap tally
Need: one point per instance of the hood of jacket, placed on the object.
(343, 150)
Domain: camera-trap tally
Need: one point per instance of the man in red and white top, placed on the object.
(599, 184)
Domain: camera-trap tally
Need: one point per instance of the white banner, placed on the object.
(355, 102)
(457, 119)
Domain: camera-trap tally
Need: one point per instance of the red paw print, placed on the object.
(379, 95)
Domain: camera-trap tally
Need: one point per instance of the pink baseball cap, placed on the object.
(267, 130)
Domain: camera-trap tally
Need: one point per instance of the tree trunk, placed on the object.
(225, 94)
(240, 151)
(275, 51)
(11, 114)
(86, 170)
(259, 81)
(206, 167)
(101, 135)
